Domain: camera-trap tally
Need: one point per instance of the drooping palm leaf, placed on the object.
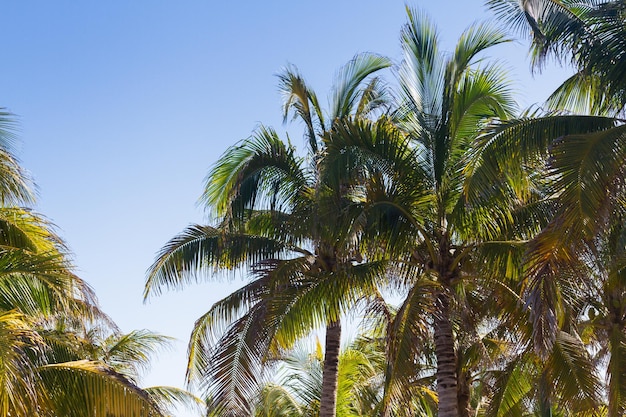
(91, 388)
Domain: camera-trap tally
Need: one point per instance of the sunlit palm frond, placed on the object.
(346, 96)
(277, 401)
(234, 372)
(421, 75)
(512, 386)
(582, 94)
(84, 387)
(299, 98)
(260, 172)
(16, 187)
(168, 398)
(21, 392)
(318, 298)
(588, 34)
(201, 249)
(23, 229)
(40, 285)
(589, 169)
(214, 323)
(572, 374)
(361, 147)
(555, 25)
(129, 354)
(476, 39)
(483, 93)
(522, 141)
(543, 291)
(376, 95)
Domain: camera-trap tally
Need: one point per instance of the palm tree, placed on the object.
(297, 390)
(586, 161)
(587, 34)
(415, 197)
(99, 354)
(286, 220)
(37, 290)
(45, 370)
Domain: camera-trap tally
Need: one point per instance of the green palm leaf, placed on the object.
(91, 388)
(260, 170)
(199, 248)
(347, 98)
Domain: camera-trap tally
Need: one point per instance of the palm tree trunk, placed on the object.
(446, 359)
(545, 405)
(328, 400)
(616, 370)
(463, 387)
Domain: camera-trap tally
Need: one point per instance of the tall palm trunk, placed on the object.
(328, 400)
(545, 404)
(446, 359)
(616, 343)
(463, 387)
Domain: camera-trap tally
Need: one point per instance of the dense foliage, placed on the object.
(503, 233)
(60, 355)
(499, 234)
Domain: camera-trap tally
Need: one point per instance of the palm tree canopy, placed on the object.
(588, 34)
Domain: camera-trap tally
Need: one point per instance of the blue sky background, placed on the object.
(123, 107)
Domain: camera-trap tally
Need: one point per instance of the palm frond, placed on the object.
(235, 372)
(572, 373)
(512, 386)
(84, 387)
(277, 401)
(481, 94)
(167, 398)
(476, 39)
(346, 95)
(260, 170)
(16, 186)
(129, 354)
(524, 141)
(408, 349)
(201, 249)
(421, 75)
(589, 168)
(21, 392)
(302, 100)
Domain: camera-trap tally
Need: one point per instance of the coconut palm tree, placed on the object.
(282, 218)
(587, 34)
(41, 377)
(415, 200)
(45, 370)
(81, 352)
(586, 158)
(296, 388)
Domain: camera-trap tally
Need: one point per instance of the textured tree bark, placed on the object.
(446, 360)
(328, 400)
(463, 387)
(545, 405)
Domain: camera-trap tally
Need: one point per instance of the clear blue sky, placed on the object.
(123, 107)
